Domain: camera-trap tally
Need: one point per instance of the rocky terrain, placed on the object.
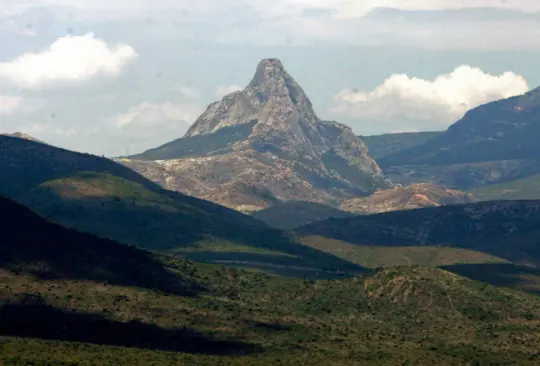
(294, 214)
(406, 198)
(261, 146)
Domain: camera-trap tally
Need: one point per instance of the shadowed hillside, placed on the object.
(31, 245)
(99, 196)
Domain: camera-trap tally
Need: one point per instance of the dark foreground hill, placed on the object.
(59, 305)
(99, 196)
(31, 245)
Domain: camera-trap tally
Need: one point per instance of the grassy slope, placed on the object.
(472, 264)
(97, 195)
(377, 256)
(521, 189)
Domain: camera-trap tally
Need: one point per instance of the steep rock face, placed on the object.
(407, 198)
(264, 145)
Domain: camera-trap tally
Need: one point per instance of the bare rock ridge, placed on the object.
(407, 198)
(261, 146)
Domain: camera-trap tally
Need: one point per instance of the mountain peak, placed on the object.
(269, 69)
(272, 99)
(265, 144)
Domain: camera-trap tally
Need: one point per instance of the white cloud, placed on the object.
(442, 100)
(8, 104)
(68, 59)
(305, 22)
(148, 114)
(224, 90)
(148, 125)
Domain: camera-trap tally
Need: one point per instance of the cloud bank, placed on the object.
(442, 100)
(69, 59)
(433, 24)
(148, 125)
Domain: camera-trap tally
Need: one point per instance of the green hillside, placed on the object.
(388, 256)
(468, 263)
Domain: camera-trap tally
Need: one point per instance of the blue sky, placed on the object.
(116, 77)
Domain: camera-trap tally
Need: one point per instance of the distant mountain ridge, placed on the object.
(495, 143)
(501, 130)
(262, 146)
